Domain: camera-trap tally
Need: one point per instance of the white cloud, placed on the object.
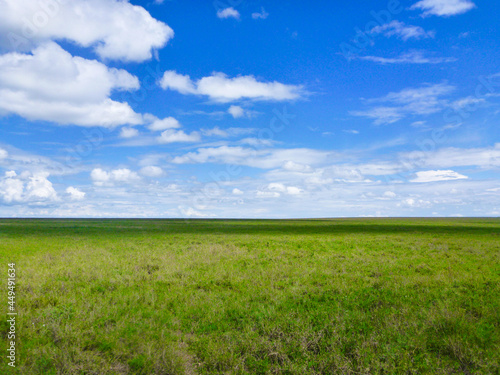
(129, 133)
(177, 82)
(166, 123)
(414, 57)
(21, 160)
(493, 189)
(237, 191)
(38, 188)
(415, 203)
(432, 176)
(124, 175)
(469, 197)
(296, 167)
(411, 101)
(401, 30)
(3, 153)
(444, 7)
(228, 13)
(418, 124)
(268, 194)
(423, 99)
(262, 15)
(381, 115)
(171, 136)
(229, 132)
(276, 186)
(281, 188)
(101, 177)
(485, 158)
(11, 188)
(220, 88)
(236, 111)
(257, 142)
(265, 158)
(467, 102)
(293, 190)
(75, 194)
(215, 132)
(115, 29)
(51, 85)
(151, 171)
(191, 212)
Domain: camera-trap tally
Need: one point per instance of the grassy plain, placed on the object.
(346, 296)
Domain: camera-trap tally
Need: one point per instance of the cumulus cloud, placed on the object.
(3, 153)
(11, 188)
(75, 194)
(114, 29)
(123, 175)
(236, 111)
(101, 177)
(237, 191)
(228, 13)
(39, 187)
(444, 8)
(279, 187)
(163, 124)
(171, 136)
(415, 203)
(432, 176)
(401, 30)
(51, 85)
(178, 82)
(27, 188)
(220, 88)
(151, 171)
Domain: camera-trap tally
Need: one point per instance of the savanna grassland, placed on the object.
(346, 296)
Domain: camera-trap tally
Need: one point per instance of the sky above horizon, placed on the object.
(249, 109)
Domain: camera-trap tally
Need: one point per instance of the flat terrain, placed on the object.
(346, 296)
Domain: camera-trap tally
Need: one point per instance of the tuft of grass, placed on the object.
(350, 296)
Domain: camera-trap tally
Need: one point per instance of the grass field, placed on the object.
(353, 296)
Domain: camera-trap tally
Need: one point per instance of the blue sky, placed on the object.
(239, 108)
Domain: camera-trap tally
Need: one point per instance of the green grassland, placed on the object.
(346, 296)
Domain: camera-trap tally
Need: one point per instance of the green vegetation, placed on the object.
(367, 296)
